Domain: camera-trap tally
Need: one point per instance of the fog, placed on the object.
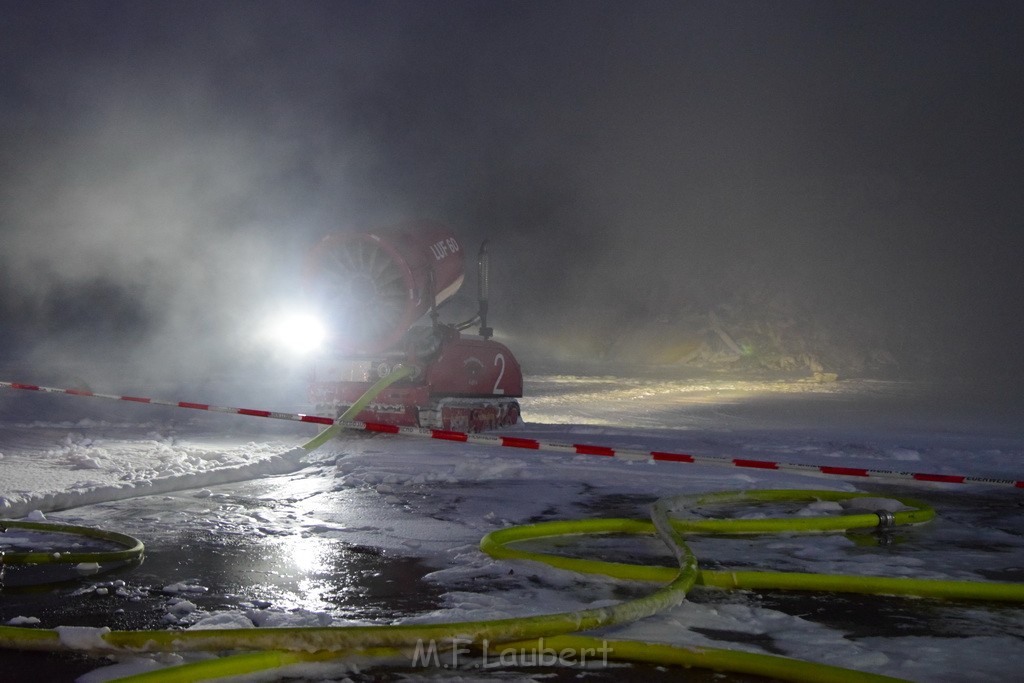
(840, 176)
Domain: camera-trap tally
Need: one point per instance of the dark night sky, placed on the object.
(165, 166)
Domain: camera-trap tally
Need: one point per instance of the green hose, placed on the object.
(273, 648)
(285, 646)
(716, 659)
(399, 372)
(496, 545)
(132, 547)
(281, 647)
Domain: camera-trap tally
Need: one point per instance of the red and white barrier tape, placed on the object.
(662, 456)
(295, 417)
(533, 444)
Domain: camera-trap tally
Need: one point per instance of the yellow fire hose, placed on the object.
(263, 649)
(132, 548)
(277, 647)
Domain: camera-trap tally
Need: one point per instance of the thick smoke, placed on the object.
(841, 173)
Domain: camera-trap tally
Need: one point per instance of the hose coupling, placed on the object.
(886, 519)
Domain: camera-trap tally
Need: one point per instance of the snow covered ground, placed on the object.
(417, 509)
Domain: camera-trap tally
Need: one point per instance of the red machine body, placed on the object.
(373, 288)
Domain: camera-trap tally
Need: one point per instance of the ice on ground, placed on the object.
(223, 620)
(183, 587)
(433, 501)
(51, 471)
(83, 637)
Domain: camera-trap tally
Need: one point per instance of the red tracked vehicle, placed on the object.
(373, 288)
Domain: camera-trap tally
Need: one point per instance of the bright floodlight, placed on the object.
(300, 332)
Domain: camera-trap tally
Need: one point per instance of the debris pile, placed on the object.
(744, 337)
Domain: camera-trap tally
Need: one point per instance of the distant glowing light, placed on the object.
(299, 332)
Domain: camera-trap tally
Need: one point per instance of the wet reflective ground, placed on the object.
(255, 549)
(240, 545)
(231, 548)
(279, 547)
(353, 539)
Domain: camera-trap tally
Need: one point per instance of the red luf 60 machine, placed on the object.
(373, 287)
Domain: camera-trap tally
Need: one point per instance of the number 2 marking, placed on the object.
(499, 360)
